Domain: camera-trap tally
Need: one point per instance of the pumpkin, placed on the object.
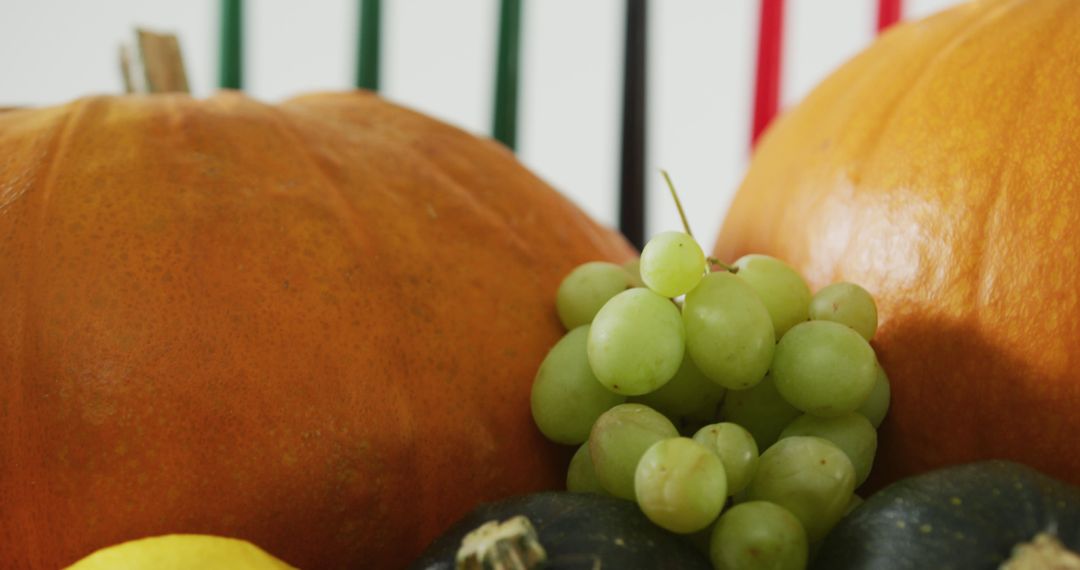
(966, 517)
(312, 326)
(578, 531)
(938, 169)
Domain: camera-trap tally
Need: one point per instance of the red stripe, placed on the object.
(888, 13)
(767, 81)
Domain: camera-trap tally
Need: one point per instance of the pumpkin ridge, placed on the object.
(1007, 170)
(58, 148)
(416, 149)
(488, 211)
(309, 105)
(40, 188)
(405, 417)
(296, 140)
(968, 28)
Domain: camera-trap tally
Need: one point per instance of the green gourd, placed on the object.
(968, 517)
(578, 531)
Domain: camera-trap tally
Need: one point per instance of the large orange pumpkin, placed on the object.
(312, 326)
(941, 170)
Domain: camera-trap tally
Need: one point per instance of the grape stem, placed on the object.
(678, 204)
(714, 261)
(686, 224)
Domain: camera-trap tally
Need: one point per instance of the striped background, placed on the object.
(439, 56)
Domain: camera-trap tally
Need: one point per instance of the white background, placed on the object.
(439, 57)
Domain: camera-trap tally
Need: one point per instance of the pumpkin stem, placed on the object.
(510, 545)
(158, 58)
(1044, 552)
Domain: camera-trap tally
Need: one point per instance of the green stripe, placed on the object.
(231, 67)
(506, 74)
(367, 45)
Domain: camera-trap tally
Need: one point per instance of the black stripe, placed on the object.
(632, 161)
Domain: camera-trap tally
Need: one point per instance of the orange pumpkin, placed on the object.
(312, 326)
(940, 170)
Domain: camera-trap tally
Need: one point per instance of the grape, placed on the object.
(736, 449)
(585, 289)
(758, 535)
(761, 410)
(619, 438)
(672, 263)
(877, 404)
(729, 333)
(566, 397)
(580, 475)
(636, 342)
(847, 304)
(824, 368)
(680, 485)
(852, 433)
(781, 288)
(808, 476)
(688, 397)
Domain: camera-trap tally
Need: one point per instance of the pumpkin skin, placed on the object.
(966, 517)
(312, 326)
(938, 170)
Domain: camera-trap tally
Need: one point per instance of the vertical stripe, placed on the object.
(231, 63)
(767, 77)
(504, 128)
(632, 159)
(889, 12)
(368, 44)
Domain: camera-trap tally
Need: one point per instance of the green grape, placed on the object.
(633, 267)
(619, 438)
(580, 475)
(636, 342)
(851, 432)
(761, 410)
(566, 397)
(672, 263)
(758, 535)
(781, 288)
(736, 449)
(585, 289)
(688, 397)
(824, 368)
(680, 485)
(729, 333)
(877, 404)
(847, 304)
(808, 476)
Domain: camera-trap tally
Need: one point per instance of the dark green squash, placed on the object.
(579, 531)
(967, 517)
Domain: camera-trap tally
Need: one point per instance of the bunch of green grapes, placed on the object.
(731, 404)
